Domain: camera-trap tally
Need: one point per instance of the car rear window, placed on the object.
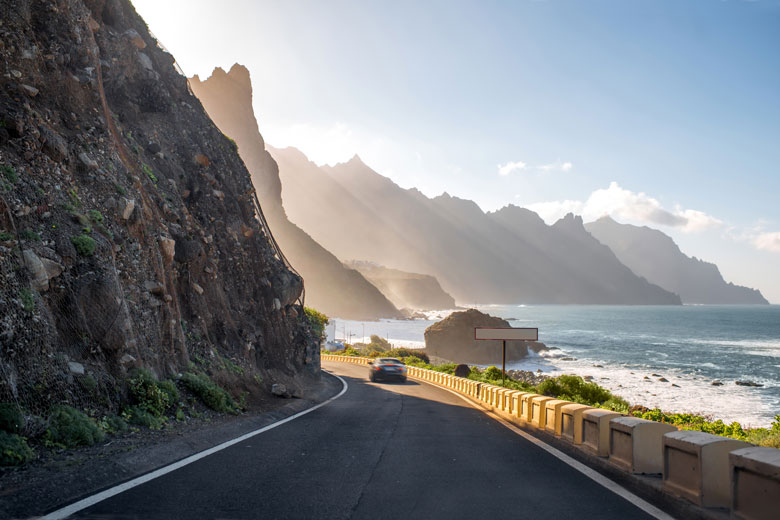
(390, 361)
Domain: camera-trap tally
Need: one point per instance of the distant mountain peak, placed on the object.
(570, 222)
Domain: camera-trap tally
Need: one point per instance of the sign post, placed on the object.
(504, 334)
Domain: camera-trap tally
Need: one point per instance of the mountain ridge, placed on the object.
(654, 255)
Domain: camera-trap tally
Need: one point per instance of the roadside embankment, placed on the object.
(44, 485)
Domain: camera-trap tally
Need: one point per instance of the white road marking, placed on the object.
(592, 474)
(108, 493)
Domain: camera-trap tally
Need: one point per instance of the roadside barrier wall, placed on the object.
(708, 470)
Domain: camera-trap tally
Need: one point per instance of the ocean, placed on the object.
(629, 349)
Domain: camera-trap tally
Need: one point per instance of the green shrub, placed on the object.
(28, 302)
(141, 417)
(14, 450)
(616, 404)
(449, 368)
(149, 173)
(414, 361)
(574, 388)
(11, 418)
(147, 393)
(85, 244)
(113, 424)
(169, 388)
(69, 427)
(9, 173)
(207, 391)
(29, 235)
(492, 373)
(6, 236)
(95, 216)
(317, 321)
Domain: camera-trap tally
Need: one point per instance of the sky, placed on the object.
(660, 113)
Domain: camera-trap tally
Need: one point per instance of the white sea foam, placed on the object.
(637, 385)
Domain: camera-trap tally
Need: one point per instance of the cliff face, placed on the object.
(406, 290)
(508, 256)
(129, 226)
(654, 255)
(330, 287)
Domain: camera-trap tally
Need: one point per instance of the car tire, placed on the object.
(372, 377)
(403, 380)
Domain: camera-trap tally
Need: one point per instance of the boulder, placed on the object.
(279, 390)
(41, 269)
(462, 371)
(453, 339)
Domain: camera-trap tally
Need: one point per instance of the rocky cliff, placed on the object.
(331, 287)
(654, 255)
(129, 229)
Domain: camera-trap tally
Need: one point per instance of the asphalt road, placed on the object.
(382, 450)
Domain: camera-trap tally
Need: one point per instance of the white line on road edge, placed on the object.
(108, 493)
(594, 475)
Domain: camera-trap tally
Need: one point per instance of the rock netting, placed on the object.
(129, 231)
(453, 339)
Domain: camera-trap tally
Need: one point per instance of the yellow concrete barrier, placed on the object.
(571, 422)
(552, 417)
(636, 445)
(526, 407)
(595, 430)
(514, 402)
(539, 410)
(755, 480)
(696, 467)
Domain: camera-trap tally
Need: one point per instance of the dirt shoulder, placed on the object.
(59, 478)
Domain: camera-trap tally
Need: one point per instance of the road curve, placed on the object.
(381, 450)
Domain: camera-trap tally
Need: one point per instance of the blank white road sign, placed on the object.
(506, 333)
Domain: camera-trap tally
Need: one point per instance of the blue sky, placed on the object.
(664, 113)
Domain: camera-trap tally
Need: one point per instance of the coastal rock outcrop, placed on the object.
(116, 250)
(453, 339)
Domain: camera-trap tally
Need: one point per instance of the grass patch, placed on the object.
(113, 424)
(68, 427)
(5, 236)
(149, 173)
(28, 302)
(30, 235)
(209, 392)
(84, 244)
(95, 216)
(14, 450)
(9, 172)
(138, 416)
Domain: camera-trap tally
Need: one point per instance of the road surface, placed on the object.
(381, 450)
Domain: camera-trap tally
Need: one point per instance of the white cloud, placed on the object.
(626, 205)
(768, 241)
(556, 166)
(506, 169)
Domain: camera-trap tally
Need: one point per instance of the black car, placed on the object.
(387, 368)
